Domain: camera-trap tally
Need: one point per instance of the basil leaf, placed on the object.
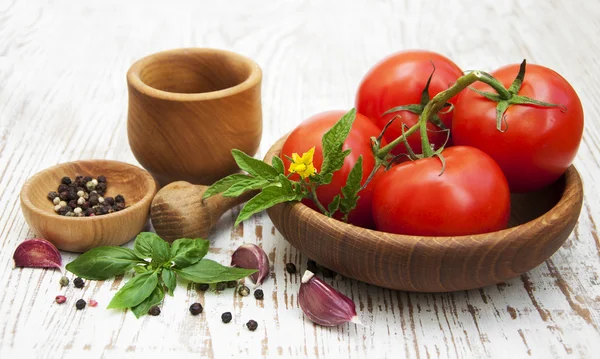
(135, 291)
(169, 279)
(267, 198)
(208, 271)
(144, 243)
(223, 184)
(186, 251)
(253, 166)
(161, 251)
(332, 143)
(248, 184)
(278, 165)
(157, 295)
(103, 262)
(140, 269)
(350, 190)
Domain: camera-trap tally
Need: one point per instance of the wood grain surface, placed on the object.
(63, 97)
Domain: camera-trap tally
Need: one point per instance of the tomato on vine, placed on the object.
(406, 81)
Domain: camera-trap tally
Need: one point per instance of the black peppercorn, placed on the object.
(52, 195)
(80, 304)
(72, 204)
(78, 282)
(72, 193)
(64, 196)
(101, 188)
(231, 284)
(109, 200)
(102, 179)
(119, 199)
(103, 210)
(196, 308)
(65, 180)
(62, 188)
(226, 317)
(203, 287)
(88, 211)
(64, 210)
(120, 206)
(79, 181)
(154, 310)
(258, 294)
(86, 179)
(93, 200)
(221, 286)
(290, 268)
(85, 206)
(312, 266)
(328, 273)
(252, 325)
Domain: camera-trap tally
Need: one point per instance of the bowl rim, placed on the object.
(573, 184)
(144, 201)
(134, 80)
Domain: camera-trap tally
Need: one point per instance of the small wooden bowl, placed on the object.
(540, 223)
(78, 234)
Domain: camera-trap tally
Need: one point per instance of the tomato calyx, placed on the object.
(418, 108)
(507, 97)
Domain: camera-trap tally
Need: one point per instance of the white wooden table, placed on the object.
(63, 97)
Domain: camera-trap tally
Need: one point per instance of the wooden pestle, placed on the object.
(178, 210)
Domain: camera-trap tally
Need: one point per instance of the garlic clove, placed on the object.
(37, 253)
(323, 304)
(251, 256)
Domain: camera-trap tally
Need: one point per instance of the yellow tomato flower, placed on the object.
(303, 165)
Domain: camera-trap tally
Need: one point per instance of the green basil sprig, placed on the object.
(275, 187)
(157, 265)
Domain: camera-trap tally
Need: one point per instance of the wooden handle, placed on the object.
(178, 210)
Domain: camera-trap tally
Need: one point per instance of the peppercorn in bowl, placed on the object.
(85, 204)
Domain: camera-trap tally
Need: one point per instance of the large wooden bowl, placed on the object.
(78, 234)
(540, 223)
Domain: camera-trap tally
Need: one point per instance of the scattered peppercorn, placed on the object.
(312, 266)
(328, 273)
(226, 317)
(203, 287)
(154, 311)
(78, 282)
(83, 193)
(258, 294)
(65, 180)
(231, 284)
(92, 303)
(290, 268)
(60, 299)
(252, 325)
(244, 291)
(64, 281)
(221, 286)
(80, 304)
(196, 308)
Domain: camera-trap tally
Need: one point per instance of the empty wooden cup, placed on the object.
(188, 108)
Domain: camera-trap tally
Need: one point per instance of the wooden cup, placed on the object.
(188, 108)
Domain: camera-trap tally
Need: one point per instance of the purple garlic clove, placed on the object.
(251, 256)
(323, 304)
(37, 253)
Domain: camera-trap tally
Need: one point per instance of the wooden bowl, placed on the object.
(540, 223)
(78, 234)
(188, 108)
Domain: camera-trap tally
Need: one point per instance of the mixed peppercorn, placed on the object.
(84, 197)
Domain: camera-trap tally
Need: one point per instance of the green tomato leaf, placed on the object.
(334, 205)
(250, 183)
(103, 262)
(278, 165)
(169, 279)
(350, 190)
(267, 198)
(333, 141)
(135, 291)
(253, 166)
(208, 271)
(186, 251)
(223, 184)
(157, 295)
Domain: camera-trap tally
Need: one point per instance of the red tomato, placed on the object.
(539, 143)
(399, 80)
(309, 134)
(470, 197)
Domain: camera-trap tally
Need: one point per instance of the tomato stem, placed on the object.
(313, 196)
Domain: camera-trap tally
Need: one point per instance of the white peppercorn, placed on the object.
(77, 210)
(62, 203)
(57, 207)
(56, 200)
(80, 194)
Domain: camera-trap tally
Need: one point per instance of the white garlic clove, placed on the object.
(251, 256)
(323, 304)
